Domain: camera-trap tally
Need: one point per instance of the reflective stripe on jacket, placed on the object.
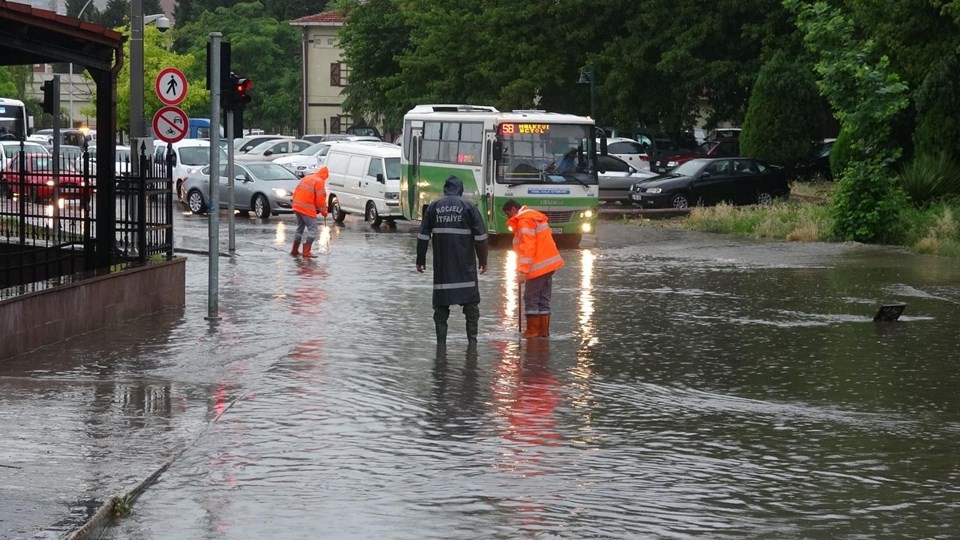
(537, 253)
(310, 196)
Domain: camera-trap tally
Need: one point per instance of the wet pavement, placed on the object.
(695, 385)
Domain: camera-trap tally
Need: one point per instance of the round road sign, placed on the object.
(171, 86)
(170, 124)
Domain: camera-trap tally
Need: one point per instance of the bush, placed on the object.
(929, 178)
(867, 204)
(780, 125)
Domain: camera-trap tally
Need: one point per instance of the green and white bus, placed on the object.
(503, 155)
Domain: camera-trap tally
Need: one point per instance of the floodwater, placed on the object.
(694, 386)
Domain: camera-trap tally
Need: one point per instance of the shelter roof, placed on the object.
(325, 18)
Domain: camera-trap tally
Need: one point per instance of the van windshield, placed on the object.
(393, 168)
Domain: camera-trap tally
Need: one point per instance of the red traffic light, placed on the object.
(242, 90)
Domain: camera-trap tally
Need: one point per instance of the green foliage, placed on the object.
(190, 11)
(263, 49)
(866, 95)
(156, 57)
(7, 88)
(781, 120)
(934, 229)
(841, 154)
(938, 109)
(867, 204)
(928, 178)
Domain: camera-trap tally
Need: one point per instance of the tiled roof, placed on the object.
(68, 25)
(325, 18)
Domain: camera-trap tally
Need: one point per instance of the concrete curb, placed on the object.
(97, 524)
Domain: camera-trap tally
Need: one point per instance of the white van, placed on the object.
(364, 179)
(189, 156)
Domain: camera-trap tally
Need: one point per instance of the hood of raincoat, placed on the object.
(453, 186)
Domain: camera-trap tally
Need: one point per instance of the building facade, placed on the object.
(325, 74)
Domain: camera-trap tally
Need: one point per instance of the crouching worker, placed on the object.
(309, 198)
(537, 259)
(459, 241)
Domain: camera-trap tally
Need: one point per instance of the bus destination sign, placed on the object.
(524, 129)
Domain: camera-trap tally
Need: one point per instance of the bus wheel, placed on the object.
(373, 217)
(335, 210)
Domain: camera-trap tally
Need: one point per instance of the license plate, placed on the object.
(556, 230)
(636, 197)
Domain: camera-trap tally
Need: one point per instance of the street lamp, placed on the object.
(137, 23)
(79, 16)
(590, 77)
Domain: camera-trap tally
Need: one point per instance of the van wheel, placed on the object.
(261, 206)
(335, 210)
(195, 202)
(373, 217)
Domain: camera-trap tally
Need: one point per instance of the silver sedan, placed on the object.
(616, 176)
(261, 187)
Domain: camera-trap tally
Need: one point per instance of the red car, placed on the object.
(39, 178)
(710, 149)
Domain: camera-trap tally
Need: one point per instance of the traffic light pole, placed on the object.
(213, 229)
(231, 219)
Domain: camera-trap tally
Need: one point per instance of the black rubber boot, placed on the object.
(472, 314)
(440, 316)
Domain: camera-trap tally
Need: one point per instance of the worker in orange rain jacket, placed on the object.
(309, 198)
(537, 260)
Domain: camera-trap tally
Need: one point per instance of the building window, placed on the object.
(339, 74)
(334, 124)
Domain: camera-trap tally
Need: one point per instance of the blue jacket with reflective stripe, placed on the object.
(459, 240)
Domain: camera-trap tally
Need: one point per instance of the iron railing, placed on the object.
(49, 218)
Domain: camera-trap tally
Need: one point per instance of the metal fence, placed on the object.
(49, 217)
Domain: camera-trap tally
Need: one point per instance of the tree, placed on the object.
(938, 102)
(865, 94)
(90, 12)
(156, 57)
(263, 49)
(782, 118)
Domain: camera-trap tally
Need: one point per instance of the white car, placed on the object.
(628, 150)
(8, 149)
(616, 176)
(307, 160)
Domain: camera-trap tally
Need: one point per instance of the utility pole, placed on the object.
(213, 286)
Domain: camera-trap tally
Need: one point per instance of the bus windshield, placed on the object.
(13, 120)
(545, 153)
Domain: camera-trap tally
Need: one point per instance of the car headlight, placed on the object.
(672, 164)
(49, 182)
(280, 192)
(392, 195)
(654, 190)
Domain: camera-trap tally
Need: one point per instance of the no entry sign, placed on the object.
(171, 86)
(170, 124)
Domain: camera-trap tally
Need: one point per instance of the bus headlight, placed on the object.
(588, 213)
(586, 227)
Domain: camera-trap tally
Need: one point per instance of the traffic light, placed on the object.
(241, 91)
(49, 96)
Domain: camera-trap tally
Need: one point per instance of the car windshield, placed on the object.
(11, 150)
(45, 163)
(706, 147)
(689, 168)
(312, 149)
(198, 155)
(546, 154)
(270, 172)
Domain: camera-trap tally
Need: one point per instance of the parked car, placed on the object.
(724, 133)
(366, 131)
(8, 149)
(711, 181)
(817, 166)
(307, 160)
(628, 150)
(261, 187)
(616, 176)
(709, 149)
(189, 156)
(121, 162)
(271, 150)
(327, 137)
(245, 144)
(38, 181)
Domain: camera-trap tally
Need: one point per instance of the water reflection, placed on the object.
(586, 300)
(511, 298)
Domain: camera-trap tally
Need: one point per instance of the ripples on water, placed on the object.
(690, 390)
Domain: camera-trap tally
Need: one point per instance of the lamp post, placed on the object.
(79, 15)
(590, 77)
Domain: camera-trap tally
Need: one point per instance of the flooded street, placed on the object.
(695, 386)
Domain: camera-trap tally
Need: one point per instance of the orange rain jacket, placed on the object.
(537, 254)
(310, 196)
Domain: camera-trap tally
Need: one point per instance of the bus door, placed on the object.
(413, 179)
(492, 149)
